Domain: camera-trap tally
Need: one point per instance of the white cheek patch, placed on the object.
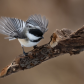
(31, 36)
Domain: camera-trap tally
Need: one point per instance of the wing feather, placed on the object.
(37, 20)
(12, 27)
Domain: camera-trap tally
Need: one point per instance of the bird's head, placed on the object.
(37, 26)
(35, 34)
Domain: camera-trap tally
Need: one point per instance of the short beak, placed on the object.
(42, 37)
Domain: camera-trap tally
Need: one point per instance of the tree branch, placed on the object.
(61, 42)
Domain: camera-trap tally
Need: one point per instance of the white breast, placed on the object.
(26, 43)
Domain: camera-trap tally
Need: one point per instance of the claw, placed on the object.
(35, 46)
(26, 54)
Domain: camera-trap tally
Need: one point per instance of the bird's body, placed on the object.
(27, 43)
(28, 33)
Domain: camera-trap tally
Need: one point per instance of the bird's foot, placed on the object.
(35, 46)
(26, 54)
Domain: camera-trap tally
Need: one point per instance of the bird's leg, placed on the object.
(24, 52)
(35, 46)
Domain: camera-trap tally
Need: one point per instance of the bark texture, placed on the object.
(61, 42)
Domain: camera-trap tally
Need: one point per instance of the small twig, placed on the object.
(61, 42)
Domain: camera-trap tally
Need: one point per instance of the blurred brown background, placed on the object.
(64, 69)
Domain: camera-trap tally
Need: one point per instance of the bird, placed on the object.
(29, 32)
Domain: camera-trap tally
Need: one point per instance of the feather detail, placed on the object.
(12, 27)
(39, 21)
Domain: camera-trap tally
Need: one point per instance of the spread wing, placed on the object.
(12, 27)
(40, 22)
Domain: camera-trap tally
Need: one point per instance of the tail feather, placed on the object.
(10, 38)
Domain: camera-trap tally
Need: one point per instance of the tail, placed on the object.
(10, 38)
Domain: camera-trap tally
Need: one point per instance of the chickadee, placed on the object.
(28, 33)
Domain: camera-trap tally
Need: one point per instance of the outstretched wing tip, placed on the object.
(11, 26)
